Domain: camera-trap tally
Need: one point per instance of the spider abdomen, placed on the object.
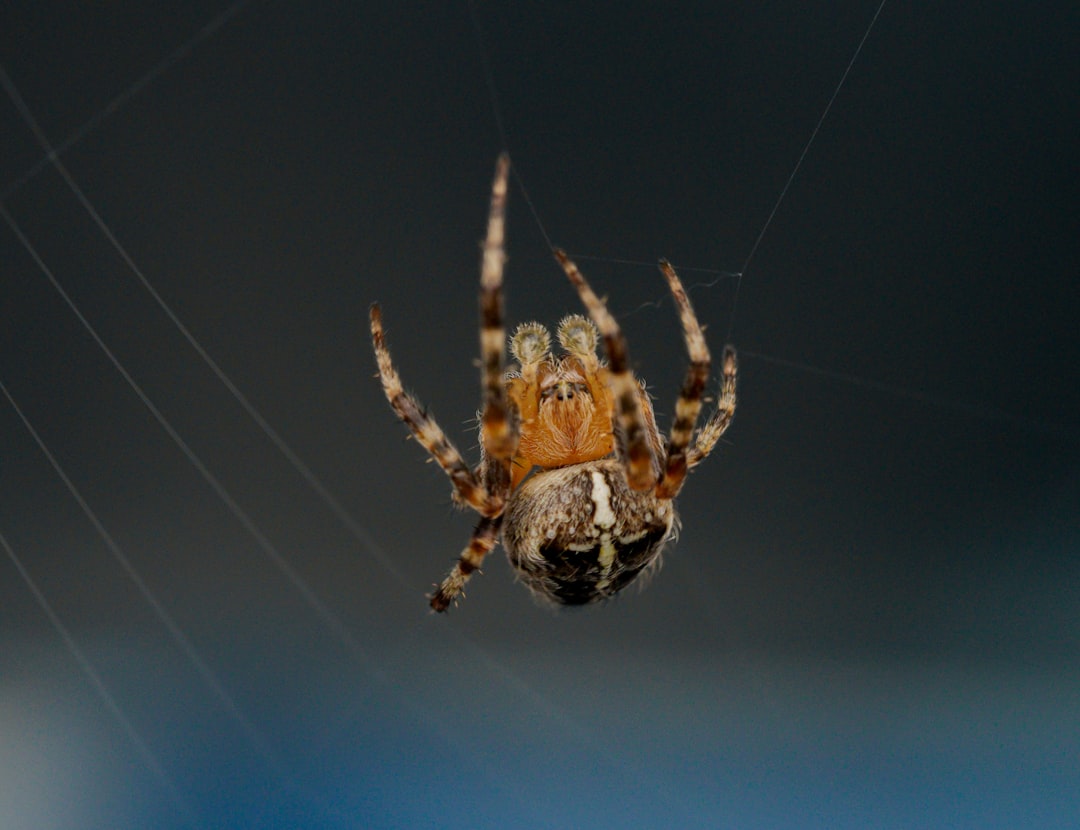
(579, 534)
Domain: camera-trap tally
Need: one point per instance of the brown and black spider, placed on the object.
(598, 506)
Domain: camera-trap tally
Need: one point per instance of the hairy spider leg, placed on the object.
(634, 442)
(498, 432)
(688, 405)
(424, 427)
(498, 435)
(721, 419)
(483, 540)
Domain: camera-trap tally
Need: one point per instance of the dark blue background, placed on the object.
(871, 617)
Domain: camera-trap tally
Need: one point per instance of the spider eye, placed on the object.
(564, 390)
(578, 335)
(531, 343)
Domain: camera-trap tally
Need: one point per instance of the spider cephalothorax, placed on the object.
(574, 473)
(563, 402)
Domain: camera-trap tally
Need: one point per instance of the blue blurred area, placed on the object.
(570, 740)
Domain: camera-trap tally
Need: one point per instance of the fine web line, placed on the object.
(51, 158)
(327, 616)
(52, 155)
(970, 408)
(798, 164)
(340, 631)
(496, 108)
(100, 688)
(119, 101)
(965, 407)
(182, 641)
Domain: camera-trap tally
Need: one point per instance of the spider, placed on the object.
(574, 473)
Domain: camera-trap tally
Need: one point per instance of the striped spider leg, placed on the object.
(651, 463)
(485, 490)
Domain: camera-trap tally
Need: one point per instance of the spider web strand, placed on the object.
(119, 101)
(352, 526)
(798, 164)
(321, 610)
(100, 688)
(500, 125)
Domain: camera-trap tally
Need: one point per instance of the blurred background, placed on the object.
(871, 618)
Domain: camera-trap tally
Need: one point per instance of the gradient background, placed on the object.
(871, 618)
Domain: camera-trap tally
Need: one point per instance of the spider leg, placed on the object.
(498, 433)
(688, 405)
(484, 539)
(633, 429)
(721, 418)
(424, 427)
(498, 429)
